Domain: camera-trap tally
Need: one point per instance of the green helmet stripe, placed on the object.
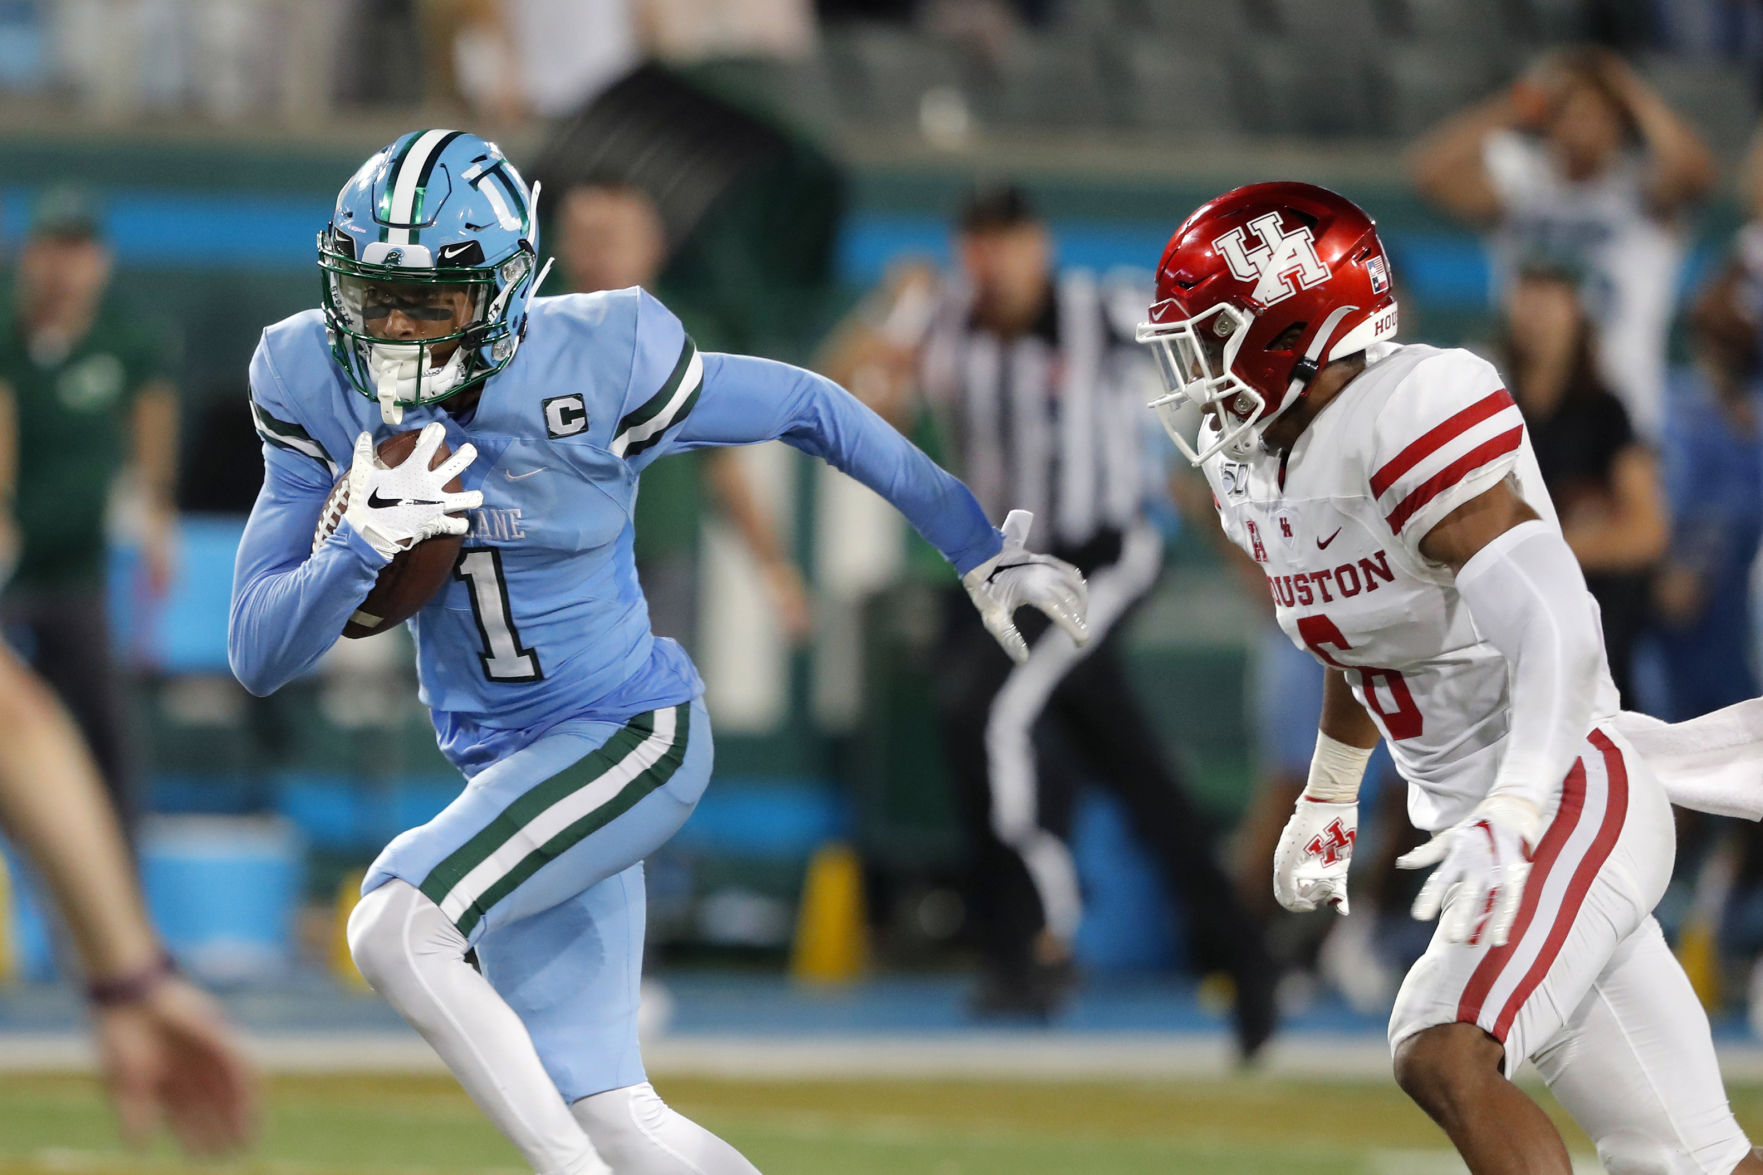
(422, 183)
(384, 215)
(402, 196)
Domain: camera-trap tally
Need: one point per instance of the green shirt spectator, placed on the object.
(73, 408)
(83, 398)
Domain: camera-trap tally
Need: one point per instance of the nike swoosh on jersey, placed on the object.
(513, 476)
(1322, 544)
(378, 503)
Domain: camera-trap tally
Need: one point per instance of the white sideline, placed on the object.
(998, 1055)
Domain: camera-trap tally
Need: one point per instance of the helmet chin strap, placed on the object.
(1310, 364)
(399, 379)
(1304, 373)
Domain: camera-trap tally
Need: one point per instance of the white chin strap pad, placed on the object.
(398, 377)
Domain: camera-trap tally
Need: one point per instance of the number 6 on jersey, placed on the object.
(504, 658)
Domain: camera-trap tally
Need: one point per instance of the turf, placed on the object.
(359, 1125)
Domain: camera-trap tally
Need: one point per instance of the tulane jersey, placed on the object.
(543, 620)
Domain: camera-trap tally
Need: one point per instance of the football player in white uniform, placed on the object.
(1390, 494)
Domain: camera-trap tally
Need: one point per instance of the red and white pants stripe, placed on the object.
(1585, 985)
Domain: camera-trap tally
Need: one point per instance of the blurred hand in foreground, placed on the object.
(170, 1059)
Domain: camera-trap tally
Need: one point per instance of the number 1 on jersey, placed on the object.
(504, 658)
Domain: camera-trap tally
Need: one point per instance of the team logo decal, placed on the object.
(565, 416)
(1285, 529)
(1334, 845)
(1379, 273)
(1256, 543)
(1281, 265)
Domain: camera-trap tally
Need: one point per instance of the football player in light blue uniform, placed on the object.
(583, 737)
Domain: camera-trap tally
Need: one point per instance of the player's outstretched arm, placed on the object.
(167, 1052)
(290, 603)
(1528, 599)
(746, 400)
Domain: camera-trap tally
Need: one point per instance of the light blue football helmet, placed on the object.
(429, 262)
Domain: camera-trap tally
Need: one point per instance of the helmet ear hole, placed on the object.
(1288, 339)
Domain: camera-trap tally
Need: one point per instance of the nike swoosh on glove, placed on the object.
(1483, 864)
(1015, 577)
(395, 507)
(1310, 862)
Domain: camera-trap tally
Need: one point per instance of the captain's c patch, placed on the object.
(565, 416)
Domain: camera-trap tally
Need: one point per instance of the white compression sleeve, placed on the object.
(639, 1134)
(1528, 599)
(415, 957)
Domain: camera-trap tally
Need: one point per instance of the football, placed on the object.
(413, 577)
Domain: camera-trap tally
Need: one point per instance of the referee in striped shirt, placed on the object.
(1037, 387)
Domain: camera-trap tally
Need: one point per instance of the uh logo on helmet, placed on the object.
(1257, 291)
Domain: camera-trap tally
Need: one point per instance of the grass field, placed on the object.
(358, 1125)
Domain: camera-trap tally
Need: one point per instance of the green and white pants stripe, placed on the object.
(582, 804)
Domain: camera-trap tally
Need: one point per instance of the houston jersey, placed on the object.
(1418, 434)
(543, 619)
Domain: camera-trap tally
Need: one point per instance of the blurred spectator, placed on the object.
(1603, 480)
(84, 393)
(1032, 374)
(1582, 161)
(611, 237)
(1713, 461)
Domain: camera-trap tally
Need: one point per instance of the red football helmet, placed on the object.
(1257, 291)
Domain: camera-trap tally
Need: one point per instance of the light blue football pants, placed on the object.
(538, 863)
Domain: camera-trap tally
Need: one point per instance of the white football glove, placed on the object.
(1483, 864)
(1310, 862)
(1015, 577)
(396, 507)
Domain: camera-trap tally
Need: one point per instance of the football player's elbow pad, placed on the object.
(1528, 599)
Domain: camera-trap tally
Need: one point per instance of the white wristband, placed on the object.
(1336, 770)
